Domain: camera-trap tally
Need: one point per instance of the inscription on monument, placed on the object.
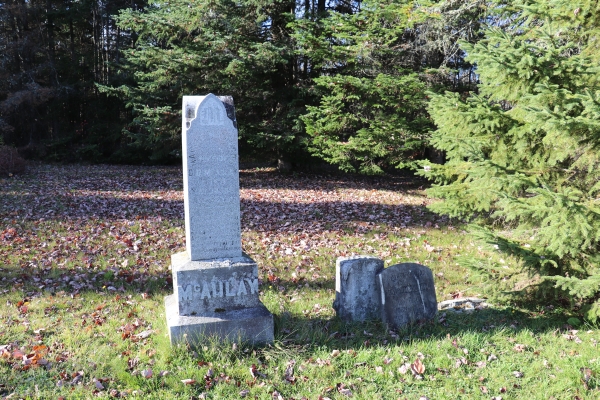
(211, 180)
(211, 115)
(228, 288)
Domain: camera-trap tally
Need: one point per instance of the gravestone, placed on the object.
(210, 179)
(215, 285)
(356, 290)
(407, 294)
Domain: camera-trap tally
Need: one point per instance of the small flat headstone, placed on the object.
(356, 290)
(407, 294)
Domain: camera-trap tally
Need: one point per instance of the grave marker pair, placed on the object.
(398, 295)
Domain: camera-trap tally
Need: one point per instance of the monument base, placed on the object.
(252, 325)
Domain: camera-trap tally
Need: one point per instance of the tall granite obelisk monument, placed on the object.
(215, 285)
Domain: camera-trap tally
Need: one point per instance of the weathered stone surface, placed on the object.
(212, 287)
(211, 178)
(407, 294)
(252, 325)
(357, 295)
(215, 284)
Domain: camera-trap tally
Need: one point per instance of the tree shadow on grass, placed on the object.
(78, 206)
(260, 179)
(333, 333)
(34, 282)
(106, 193)
(281, 216)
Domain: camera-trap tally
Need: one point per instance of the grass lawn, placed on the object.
(84, 268)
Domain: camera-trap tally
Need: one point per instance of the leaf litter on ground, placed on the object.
(73, 233)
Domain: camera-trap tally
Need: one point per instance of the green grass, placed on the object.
(84, 255)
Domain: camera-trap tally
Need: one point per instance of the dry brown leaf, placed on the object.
(519, 348)
(418, 367)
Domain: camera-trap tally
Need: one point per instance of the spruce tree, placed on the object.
(523, 152)
(373, 67)
(196, 47)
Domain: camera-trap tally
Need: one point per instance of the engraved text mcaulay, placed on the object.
(215, 288)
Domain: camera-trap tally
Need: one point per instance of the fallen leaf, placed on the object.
(289, 372)
(417, 367)
(519, 348)
(276, 396)
(144, 334)
(344, 390)
(404, 368)
(147, 373)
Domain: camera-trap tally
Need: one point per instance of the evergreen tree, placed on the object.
(372, 69)
(524, 151)
(194, 47)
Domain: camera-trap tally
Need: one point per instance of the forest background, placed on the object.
(345, 81)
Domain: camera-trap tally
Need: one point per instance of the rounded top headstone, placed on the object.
(211, 180)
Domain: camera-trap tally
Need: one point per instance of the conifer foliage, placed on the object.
(375, 66)
(523, 152)
(372, 107)
(203, 46)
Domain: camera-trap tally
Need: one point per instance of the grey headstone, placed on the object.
(356, 290)
(211, 178)
(407, 294)
(215, 284)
